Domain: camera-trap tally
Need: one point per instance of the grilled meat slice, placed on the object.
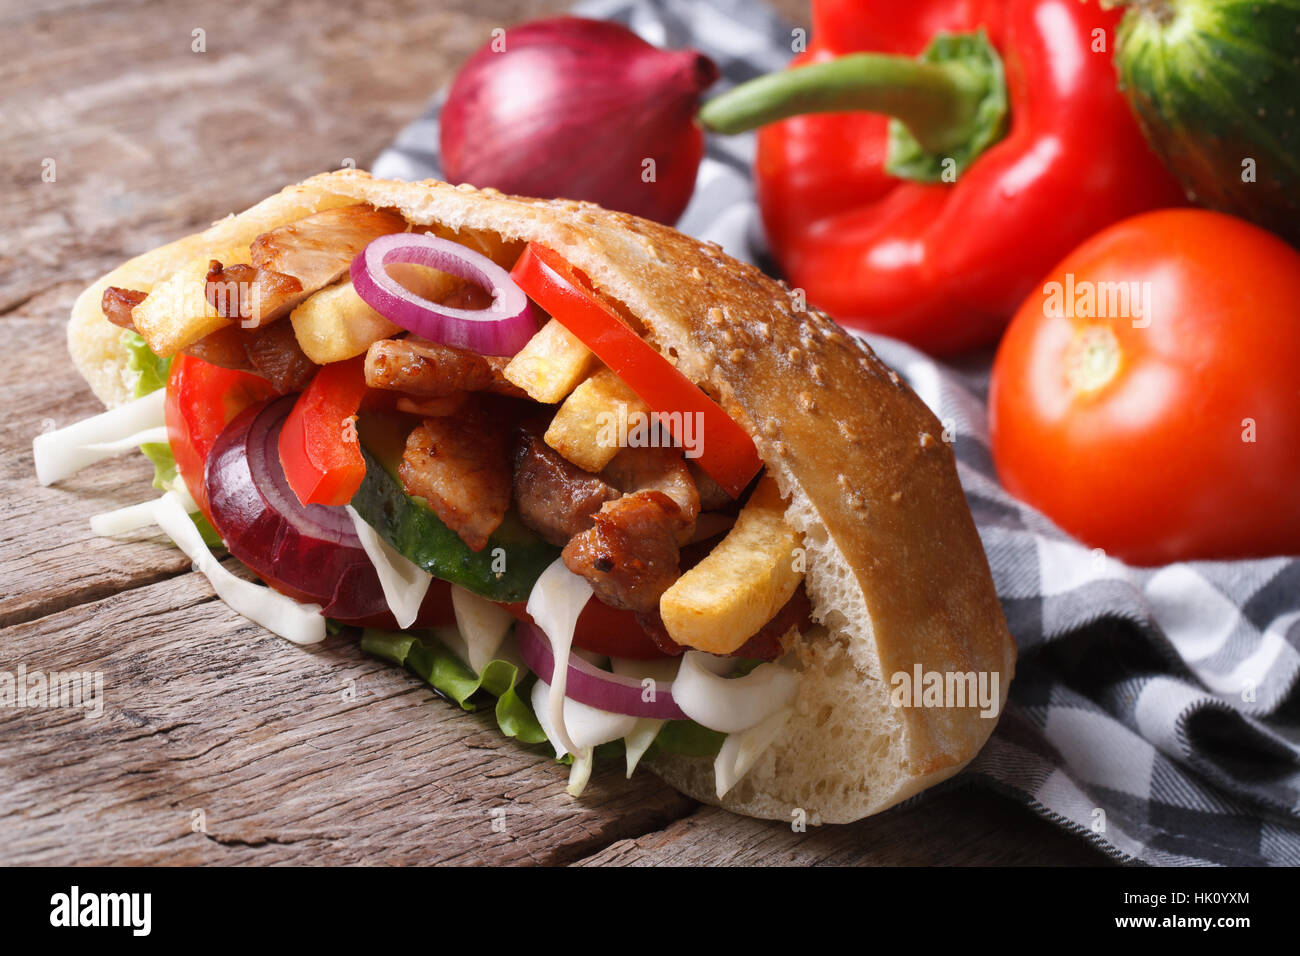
(461, 466)
(555, 497)
(318, 249)
(629, 555)
(252, 296)
(117, 304)
(657, 469)
(224, 347)
(420, 367)
(275, 354)
(712, 497)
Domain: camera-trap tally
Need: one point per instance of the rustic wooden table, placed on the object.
(220, 743)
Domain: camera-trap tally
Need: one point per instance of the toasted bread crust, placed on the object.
(897, 574)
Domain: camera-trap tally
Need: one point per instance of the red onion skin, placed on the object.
(572, 108)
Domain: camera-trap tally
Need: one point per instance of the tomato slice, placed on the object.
(606, 630)
(728, 453)
(319, 449)
(201, 400)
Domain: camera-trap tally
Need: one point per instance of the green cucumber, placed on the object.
(1215, 85)
(505, 570)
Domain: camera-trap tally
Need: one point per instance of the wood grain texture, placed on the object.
(963, 827)
(283, 754)
(220, 743)
(49, 560)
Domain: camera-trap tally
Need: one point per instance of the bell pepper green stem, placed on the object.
(936, 101)
(948, 105)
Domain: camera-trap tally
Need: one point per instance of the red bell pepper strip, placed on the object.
(727, 452)
(319, 449)
(201, 401)
(942, 264)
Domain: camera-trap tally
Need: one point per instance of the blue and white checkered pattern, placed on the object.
(1155, 711)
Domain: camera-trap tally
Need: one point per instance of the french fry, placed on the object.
(176, 313)
(550, 364)
(335, 324)
(586, 428)
(723, 601)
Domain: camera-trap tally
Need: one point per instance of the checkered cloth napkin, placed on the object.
(1155, 712)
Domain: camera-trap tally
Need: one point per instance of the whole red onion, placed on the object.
(580, 109)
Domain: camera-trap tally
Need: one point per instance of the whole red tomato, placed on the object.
(1167, 429)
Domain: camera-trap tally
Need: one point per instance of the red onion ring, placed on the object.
(324, 522)
(311, 553)
(500, 329)
(588, 684)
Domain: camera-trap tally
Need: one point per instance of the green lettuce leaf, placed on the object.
(150, 369)
(428, 659)
(151, 374)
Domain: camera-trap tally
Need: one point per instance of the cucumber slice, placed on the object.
(505, 570)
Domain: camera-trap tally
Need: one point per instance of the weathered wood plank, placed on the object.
(151, 140)
(49, 559)
(283, 754)
(963, 827)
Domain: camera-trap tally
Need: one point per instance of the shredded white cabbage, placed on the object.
(483, 627)
(108, 524)
(729, 705)
(148, 436)
(638, 740)
(588, 725)
(278, 613)
(405, 583)
(580, 772)
(740, 751)
(60, 453)
(123, 520)
(554, 604)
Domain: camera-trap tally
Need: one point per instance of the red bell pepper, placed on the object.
(319, 449)
(727, 452)
(1011, 145)
(201, 401)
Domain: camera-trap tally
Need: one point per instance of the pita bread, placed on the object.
(896, 571)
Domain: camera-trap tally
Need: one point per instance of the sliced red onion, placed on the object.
(323, 522)
(589, 685)
(500, 329)
(311, 553)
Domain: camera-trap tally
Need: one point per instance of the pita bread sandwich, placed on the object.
(565, 462)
